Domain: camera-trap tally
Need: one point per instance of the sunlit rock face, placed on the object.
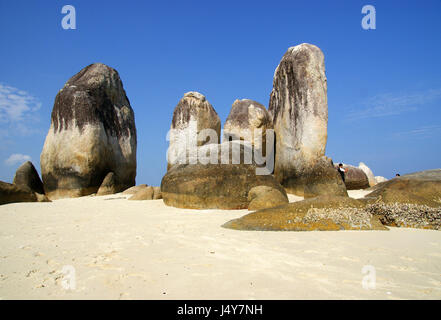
(248, 121)
(92, 133)
(27, 176)
(195, 123)
(299, 109)
(370, 175)
(220, 176)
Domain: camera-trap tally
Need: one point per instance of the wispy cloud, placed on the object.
(18, 109)
(17, 158)
(391, 104)
(422, 132)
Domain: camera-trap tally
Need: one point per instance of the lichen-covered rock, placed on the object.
(324, 180)
(263, 197)
(412, 200)
(316, 214)
(420, 188)
(248, 121)
(299, 109)
(27, 176)
(369, 174)
(193, 117)
(224, 185)
(355, 178)
(135, 189)
(110, 185)
(11, 193)
(143, 194)
(92, 133)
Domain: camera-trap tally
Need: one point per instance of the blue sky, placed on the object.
(384, 85)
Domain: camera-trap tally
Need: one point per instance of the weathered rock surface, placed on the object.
(316, 214)
(299, 108)
(92, 133)
(248, 121)
(224, 185)
(407, 215)
(157, 193)
(420, 188)
(263, 197)
(27, 176)
(324, 180)
(135, 189)
(191, 118)
(412, 200)
(369, 174)
(143, 194)
(110, 185)
(11, 193)
(355, 178)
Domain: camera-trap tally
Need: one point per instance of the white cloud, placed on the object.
(17, 107)
(391, 104)
(422, 132)
(17, 158)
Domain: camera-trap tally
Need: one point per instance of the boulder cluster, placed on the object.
(282, 148)
(412, 201)
(260, 156)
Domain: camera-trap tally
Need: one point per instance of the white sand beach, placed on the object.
(123, 249)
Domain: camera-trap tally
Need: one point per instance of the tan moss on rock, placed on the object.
(324, 180)
(420, 188)
(320, 214)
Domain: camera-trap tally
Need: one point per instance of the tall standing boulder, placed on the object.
(248, 121)
(192, 116)
(299, 108)
(27, 176)
(92, 133)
